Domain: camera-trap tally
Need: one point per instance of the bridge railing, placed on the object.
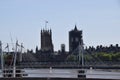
(63, 73)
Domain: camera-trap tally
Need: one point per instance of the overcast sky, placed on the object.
(23, 20)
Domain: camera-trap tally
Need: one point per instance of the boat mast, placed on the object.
(21, 52)
(2, 60)
(14, 63)
(81, 55)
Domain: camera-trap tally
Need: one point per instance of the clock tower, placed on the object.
(75, 38)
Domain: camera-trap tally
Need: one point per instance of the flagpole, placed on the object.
(46, 24)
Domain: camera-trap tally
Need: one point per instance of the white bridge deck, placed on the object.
(69, 73)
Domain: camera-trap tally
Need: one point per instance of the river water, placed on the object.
(70, 73)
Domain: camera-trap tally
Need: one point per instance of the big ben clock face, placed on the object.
(72, 39)
(76, 39)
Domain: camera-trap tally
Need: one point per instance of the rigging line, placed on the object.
(13, 57)
(80, 51)
(96, 58)
(12, 42)
(27, 60)
(89, 62)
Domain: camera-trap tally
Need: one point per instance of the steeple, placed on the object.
(75, 28)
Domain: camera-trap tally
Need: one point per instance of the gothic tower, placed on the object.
(46, 41)
(75, 38)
